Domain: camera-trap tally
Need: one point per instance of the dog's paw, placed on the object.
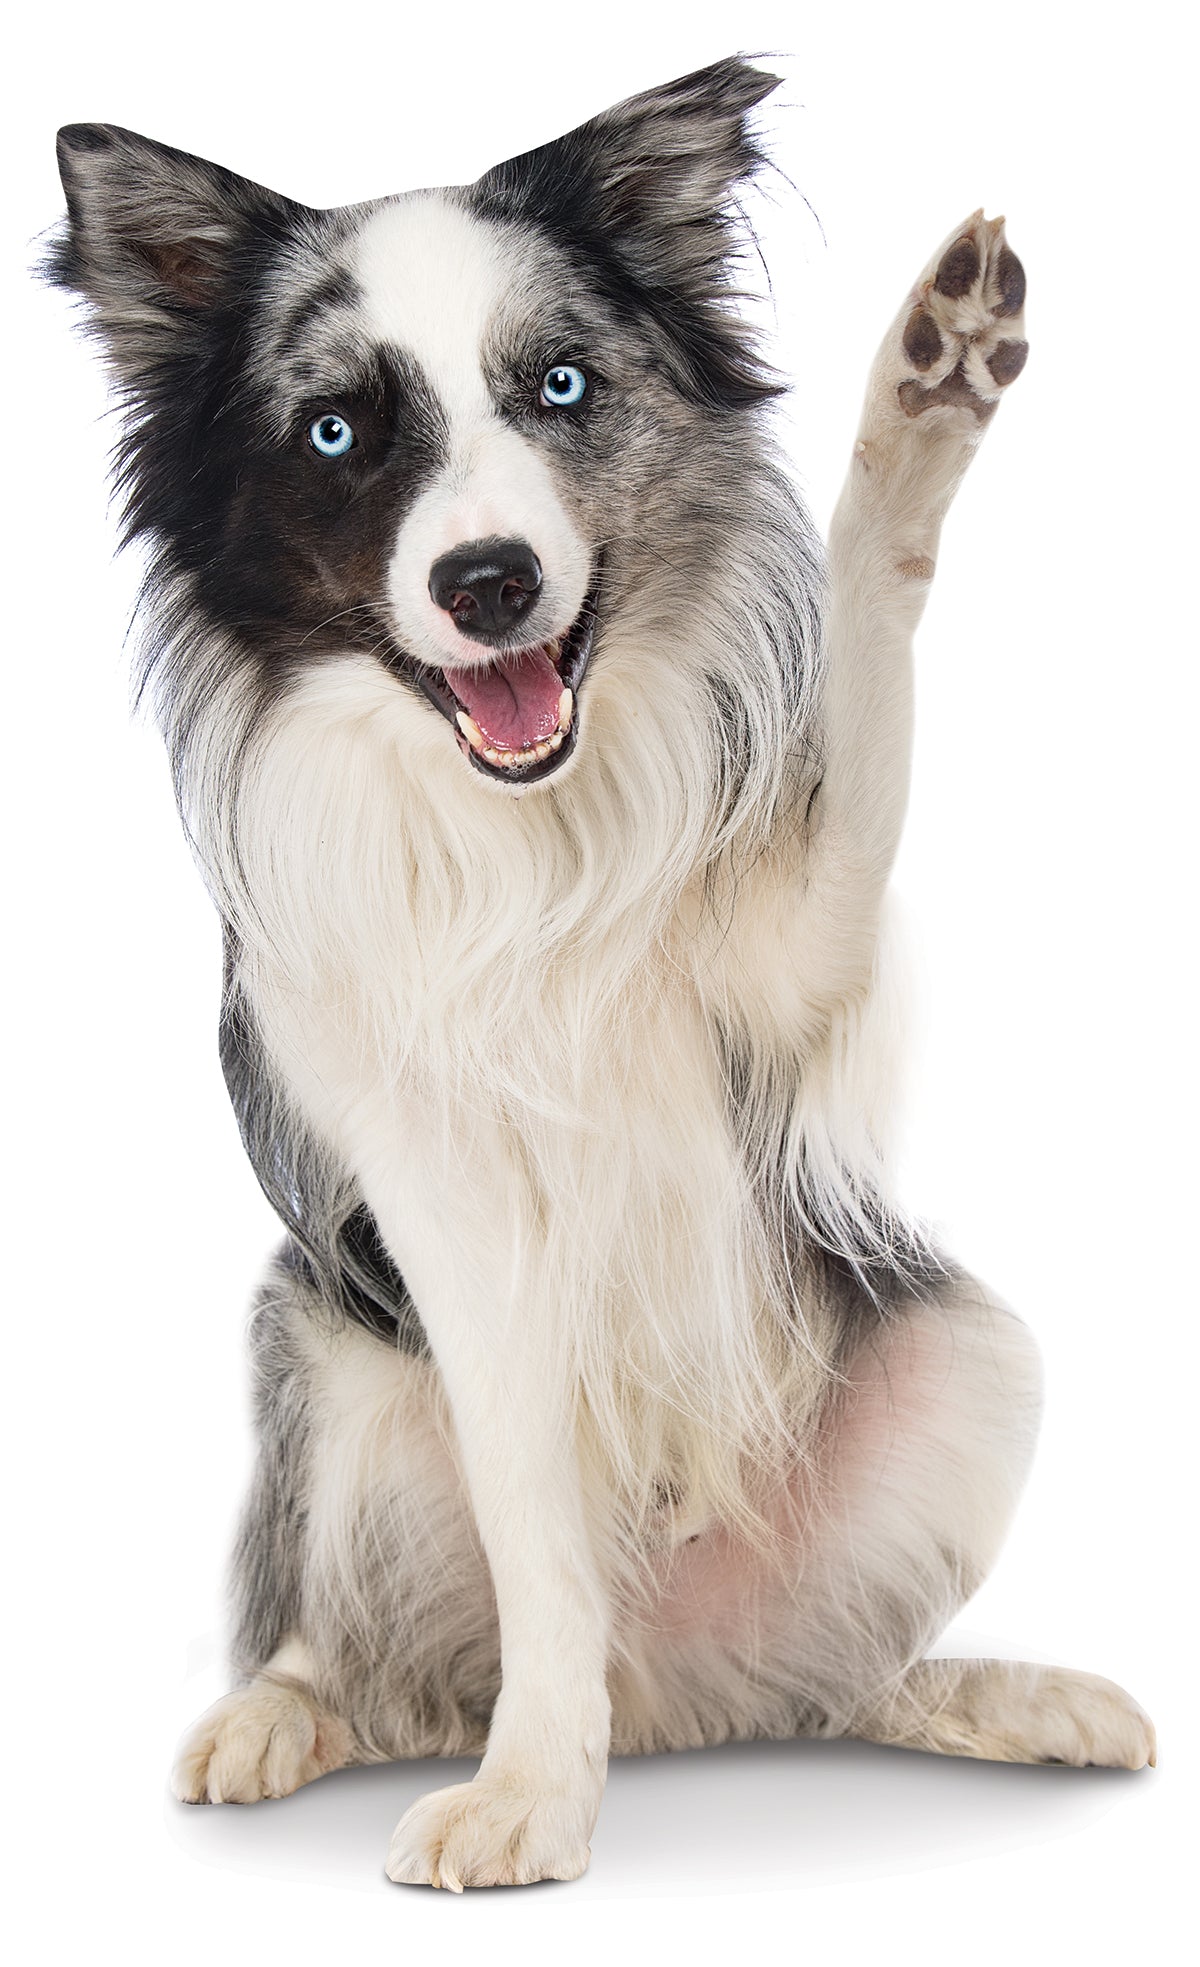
(265, 1740)
(1015, 1711)
(1085, 1721)
(963, 341)
(490, 1832)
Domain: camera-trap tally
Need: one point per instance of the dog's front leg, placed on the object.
(954, 348)
(479, 1284)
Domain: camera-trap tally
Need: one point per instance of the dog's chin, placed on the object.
(542, 732)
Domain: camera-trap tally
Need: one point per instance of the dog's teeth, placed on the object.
(528, 755)
(470, 731)
(566, 705)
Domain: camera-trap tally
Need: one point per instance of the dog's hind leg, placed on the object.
(356, 1557)
(266, 1739)
(926, 1464)
(1012, 1711)
(273, 1734)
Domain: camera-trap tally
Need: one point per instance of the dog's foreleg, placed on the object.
(473, 1267)
(813, 916)
(956, 345)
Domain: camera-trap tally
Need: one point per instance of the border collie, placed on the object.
(547, 777)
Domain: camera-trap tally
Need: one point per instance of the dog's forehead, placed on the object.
(433, 279)
(420, 274)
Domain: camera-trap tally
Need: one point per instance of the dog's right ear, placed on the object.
(156, 241)
(647, 192)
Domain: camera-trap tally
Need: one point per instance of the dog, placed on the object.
(547, 775)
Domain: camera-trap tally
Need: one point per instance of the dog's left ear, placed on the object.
(157, 242)
(645, 191)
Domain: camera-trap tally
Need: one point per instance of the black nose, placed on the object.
(486, 585)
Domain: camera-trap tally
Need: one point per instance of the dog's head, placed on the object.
(464, 431)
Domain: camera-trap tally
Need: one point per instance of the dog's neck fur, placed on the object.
(524, 999)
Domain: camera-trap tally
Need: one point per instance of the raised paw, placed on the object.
(265, 1740)
(490, 1832)
(963, 340)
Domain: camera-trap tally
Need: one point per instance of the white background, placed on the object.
(1046, 877)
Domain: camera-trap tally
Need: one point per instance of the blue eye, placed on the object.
(330, 436)
(563, 388)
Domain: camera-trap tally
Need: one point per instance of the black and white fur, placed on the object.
(606, 1400)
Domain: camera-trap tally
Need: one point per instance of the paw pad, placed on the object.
(922, 339)
(1007, 362)
(954, 391)
(958, 269)
(961, 341)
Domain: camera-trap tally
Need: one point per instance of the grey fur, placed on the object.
(603, 1072)
(269, 1555)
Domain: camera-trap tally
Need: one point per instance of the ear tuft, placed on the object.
(78, 137)
(183, 270)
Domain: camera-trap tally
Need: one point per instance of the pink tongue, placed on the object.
(514, 702)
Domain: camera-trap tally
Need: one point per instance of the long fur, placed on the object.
(576, 1099)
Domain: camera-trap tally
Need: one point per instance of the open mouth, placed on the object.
(517, 717)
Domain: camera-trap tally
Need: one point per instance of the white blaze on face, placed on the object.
(433, 280)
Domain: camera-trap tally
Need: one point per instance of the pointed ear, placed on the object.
(155, 240)
(647, 190)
